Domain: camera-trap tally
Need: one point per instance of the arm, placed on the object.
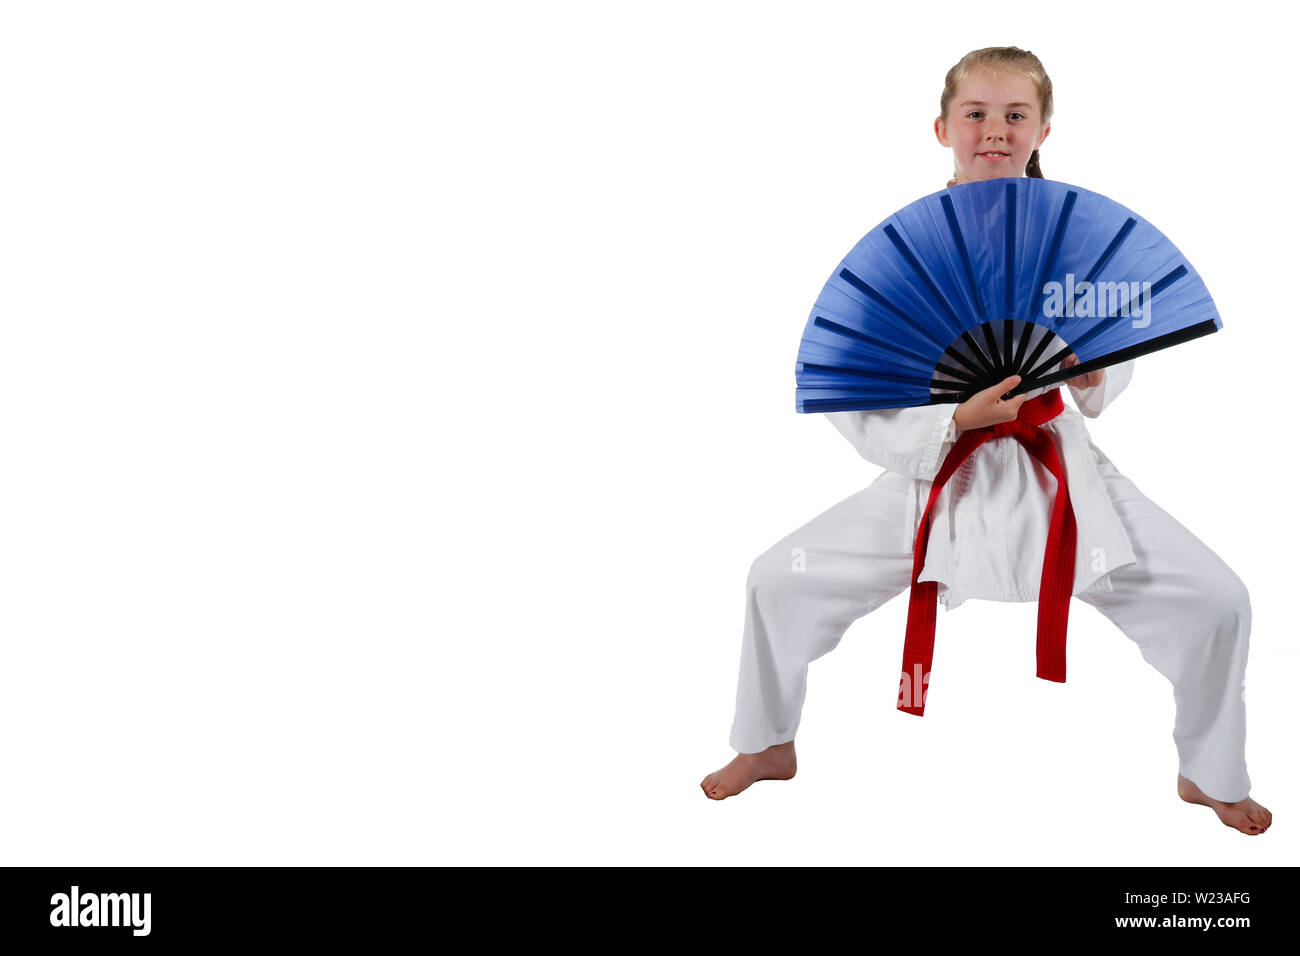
(911, 441)
(915, 441)
(1092, 401)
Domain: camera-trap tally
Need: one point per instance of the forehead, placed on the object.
(995, 88)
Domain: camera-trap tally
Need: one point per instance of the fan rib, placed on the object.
(1009, 266)
(1058, 234)
(939, 398)
(1047, 363)
(1167, 280)
(924, 276)
(962, 377)
(992, 341)
(1038, 350)
(1062, 222)
(977, 353)
(1009, 270)
(1177, 337)
(865, 373)
(1105, 258)
(1026, 334)
(850, 404)
(861, 285)
(832, 326)
(954, 228)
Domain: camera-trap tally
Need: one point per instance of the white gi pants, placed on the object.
(1186, 609)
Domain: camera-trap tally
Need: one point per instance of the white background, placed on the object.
(394, 396)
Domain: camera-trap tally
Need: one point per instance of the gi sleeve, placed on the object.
(911, 441)
(1092, 400)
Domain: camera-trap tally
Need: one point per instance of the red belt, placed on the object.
(1058, 561)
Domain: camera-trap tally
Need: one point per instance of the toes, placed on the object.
(1238, 820)
(712, 787)
(1261, 818)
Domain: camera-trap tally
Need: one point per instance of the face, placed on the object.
(992, 126)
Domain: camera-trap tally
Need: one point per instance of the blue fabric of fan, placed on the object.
(958, 290)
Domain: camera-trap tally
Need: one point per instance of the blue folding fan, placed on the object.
(999, 277)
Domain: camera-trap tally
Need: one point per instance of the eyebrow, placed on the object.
(1009, 105)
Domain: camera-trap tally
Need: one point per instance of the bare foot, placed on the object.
(775, 763)
(1245, 815)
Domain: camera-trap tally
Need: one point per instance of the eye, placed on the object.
(973, 113)
(1021, 115)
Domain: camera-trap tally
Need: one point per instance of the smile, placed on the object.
(993, 157)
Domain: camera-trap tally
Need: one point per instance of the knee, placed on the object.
(1222, 599)
(1231, 594)
(771, 569)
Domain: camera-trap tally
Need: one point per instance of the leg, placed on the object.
(801, 596)
(1190, 616)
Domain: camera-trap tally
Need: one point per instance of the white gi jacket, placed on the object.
(988, 530)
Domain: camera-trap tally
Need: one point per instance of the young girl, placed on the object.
(1188, 612)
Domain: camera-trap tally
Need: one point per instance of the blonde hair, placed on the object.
(1009, 59)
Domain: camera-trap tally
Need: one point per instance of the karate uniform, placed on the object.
(1164, 588)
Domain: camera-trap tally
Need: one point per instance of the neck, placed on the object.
(962, 179)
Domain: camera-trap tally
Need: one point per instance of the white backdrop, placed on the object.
(395, 396)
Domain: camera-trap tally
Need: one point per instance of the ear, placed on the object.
(941, 131)
(1046, 129)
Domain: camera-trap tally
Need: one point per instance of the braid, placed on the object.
(1032, 169)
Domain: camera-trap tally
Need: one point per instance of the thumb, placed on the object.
(1004, 386)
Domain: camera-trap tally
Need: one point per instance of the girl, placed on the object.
(1188, 612)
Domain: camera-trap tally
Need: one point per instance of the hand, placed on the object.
(1087, 380)
(988, 408)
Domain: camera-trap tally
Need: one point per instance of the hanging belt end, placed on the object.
(912, 690)
(1056, 674)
